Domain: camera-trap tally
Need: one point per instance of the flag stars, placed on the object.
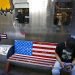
(23, 47)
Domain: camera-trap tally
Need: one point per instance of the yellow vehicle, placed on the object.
(6, 5)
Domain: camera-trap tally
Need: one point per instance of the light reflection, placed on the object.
(37, 5)
(52, 0)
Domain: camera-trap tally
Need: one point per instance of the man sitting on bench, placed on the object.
(65, 54)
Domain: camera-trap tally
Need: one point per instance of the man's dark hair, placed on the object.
(70, 43)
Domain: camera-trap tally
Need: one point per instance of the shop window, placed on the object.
(22, 15)
(63, 12)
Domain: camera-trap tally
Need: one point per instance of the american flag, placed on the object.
(42, 53)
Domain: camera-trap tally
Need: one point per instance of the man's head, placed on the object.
(70, 42)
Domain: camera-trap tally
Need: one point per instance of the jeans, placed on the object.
(57, 67)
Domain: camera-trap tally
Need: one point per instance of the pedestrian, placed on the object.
(65, 54)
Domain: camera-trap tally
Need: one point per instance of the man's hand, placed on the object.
(62, 64)
(68, 67)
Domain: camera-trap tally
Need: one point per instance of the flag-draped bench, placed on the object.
(33, 53)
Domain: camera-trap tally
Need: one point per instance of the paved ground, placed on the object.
(17, 70)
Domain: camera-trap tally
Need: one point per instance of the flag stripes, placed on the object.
(30, 59)
(43, 49)
(34, 46)
(45, 46)
(43, 52)
(45, 43)
(26, 62)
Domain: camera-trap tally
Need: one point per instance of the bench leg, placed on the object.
(8, 67)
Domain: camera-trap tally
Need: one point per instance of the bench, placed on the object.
(39, 54)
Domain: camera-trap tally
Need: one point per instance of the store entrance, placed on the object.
(63, 12)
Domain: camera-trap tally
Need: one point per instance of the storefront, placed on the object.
(63, 10)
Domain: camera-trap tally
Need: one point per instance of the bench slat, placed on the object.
(40, 62)
(31, 58)
(31, 61)
(50, 65)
